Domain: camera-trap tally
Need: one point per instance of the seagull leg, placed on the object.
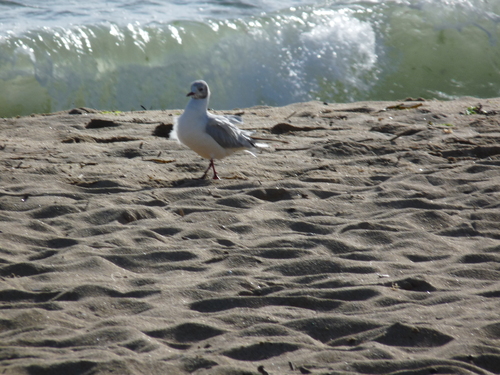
(211, 165)
(216, 176)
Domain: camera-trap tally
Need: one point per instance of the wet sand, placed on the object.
(365, 240)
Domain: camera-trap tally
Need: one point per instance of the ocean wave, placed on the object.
(349, 52)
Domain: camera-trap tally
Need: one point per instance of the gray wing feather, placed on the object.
(227, 135)
(234, 119)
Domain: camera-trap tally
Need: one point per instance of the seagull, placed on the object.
(210, 136)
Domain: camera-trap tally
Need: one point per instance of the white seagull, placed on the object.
(210, 136)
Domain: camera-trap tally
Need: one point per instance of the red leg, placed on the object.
(211, 165)
(216, 176)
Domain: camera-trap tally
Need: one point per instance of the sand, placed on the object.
(365, 240)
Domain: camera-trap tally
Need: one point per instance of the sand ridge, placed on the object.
(365, 240)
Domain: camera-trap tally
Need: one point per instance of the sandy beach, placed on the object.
(365, 240)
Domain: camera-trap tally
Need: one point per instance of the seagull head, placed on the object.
(199, 90)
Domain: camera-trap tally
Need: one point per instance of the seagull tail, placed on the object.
(261, 145)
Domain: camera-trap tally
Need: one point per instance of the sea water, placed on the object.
(128, 55)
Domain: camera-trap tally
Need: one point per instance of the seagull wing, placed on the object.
(227, 135)
(234, 119)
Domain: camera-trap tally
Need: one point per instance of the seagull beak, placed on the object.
(190, 94)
